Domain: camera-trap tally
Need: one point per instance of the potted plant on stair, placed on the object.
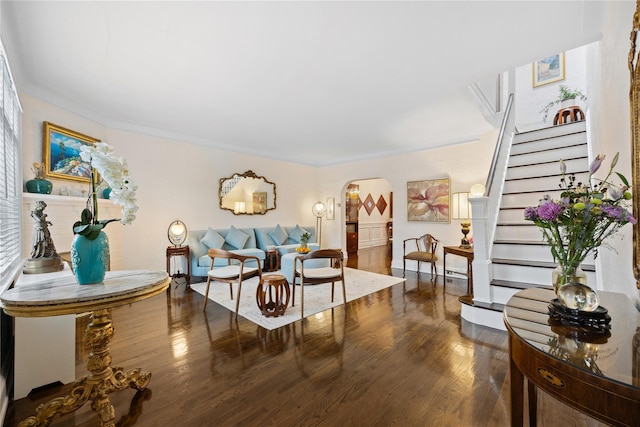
(566, 98)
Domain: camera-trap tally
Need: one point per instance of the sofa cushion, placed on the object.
(212, 239)
(196, 247)
(236, 238)
(279, 235)
(296, 233)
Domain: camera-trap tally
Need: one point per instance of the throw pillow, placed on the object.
(237, 238)
(213, 240)
(279, 235)
(296, 233)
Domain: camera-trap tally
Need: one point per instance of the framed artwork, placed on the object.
(259, 202)
(61, 149)
(428, 200)
(548, 70)
(331, 208)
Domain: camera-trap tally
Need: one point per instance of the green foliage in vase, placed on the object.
(564, 94)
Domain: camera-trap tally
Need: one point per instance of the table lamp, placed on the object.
(462, 211)
(177, 233)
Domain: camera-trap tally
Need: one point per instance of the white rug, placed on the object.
(317, 298)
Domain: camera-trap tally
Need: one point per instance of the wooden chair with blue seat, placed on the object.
(234, 272)
(426, 247)
(332, 272)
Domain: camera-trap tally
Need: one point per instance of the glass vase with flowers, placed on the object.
(90, 246)
(577, 224)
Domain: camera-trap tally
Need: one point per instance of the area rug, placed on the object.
(317, 298)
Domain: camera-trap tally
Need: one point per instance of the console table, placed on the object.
(62, 296)
(465, 253)
(595, 373)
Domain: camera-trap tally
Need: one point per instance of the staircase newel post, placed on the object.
(481, 249)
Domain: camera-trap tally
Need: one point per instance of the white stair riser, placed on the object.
(518, 232)
(549, 156)
(523, 273)
(523, 200)
(549, 144)
(547, 183)
(523, 252)
(511, 215)
(545, 169)
(551, 132)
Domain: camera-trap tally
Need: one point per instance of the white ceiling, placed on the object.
(316, 83)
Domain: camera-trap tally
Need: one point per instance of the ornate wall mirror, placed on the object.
(634, 98)
(247, 194)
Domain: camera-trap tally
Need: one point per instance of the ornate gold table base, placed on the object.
(96, 387)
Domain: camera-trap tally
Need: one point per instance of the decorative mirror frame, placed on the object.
(634, 99)
(248, 174)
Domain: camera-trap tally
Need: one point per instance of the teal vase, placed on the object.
(40, 186)
(90, 258)
(106, 193)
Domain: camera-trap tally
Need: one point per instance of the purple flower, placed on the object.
(531, 213)
(614, 212)
(549, 211)
(631, 219)
(597, 162)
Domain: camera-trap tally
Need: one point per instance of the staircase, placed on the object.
(520, 258)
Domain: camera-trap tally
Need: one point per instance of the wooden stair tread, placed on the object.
(521, 242)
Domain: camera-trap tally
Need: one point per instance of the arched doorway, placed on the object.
(368, 214)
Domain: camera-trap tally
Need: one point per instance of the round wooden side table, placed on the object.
(272, 295)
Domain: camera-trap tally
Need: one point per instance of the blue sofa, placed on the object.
(243, 241)
(200, 241)
(269, 236)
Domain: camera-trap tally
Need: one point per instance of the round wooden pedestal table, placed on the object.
(62, 296)
(272, 295)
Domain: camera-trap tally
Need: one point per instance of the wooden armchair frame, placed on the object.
(317, 275)
(426, 251)
(231, 273)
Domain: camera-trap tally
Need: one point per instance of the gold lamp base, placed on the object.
(466, 227)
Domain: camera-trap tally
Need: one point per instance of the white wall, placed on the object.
(180, 180)
(530, 100)
(465, 164)
(175, 180)
(610, 129)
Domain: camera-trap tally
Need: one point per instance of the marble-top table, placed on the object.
(63, 295)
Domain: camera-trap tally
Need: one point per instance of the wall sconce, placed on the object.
(177, 233)
(331, 208)
(239, 207)
(462, 211)
(319, 209)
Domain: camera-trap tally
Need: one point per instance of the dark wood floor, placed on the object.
(400, 357)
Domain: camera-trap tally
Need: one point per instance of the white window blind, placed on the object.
(10, 181)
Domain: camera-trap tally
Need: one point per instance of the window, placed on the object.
(10, 182)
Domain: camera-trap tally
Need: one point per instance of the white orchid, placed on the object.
(114, 171)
